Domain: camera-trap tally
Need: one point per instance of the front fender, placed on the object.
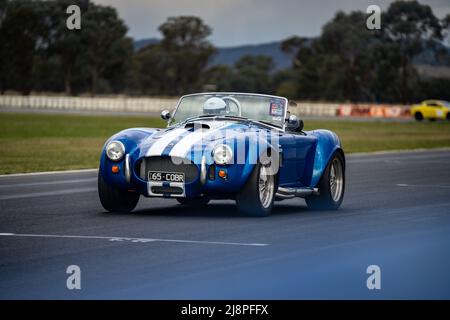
(132, 140)
(247, 149)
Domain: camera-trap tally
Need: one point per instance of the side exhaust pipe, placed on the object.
(289, 193)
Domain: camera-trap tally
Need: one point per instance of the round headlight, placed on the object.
(222, 154)
(115, 150)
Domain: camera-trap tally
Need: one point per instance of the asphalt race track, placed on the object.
(396, 214)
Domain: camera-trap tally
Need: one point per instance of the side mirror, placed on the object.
(294, 124)
(300, 125)
(165, 115)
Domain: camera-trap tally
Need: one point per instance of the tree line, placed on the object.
(347, 62)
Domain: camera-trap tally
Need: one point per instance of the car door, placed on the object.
(288, 169)
(430, 109)
(439, 111)
(297, 158)
(305, 154)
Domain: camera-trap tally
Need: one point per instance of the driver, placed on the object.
(215, 106)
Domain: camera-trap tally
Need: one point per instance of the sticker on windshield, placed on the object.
(276, 109)
(276, 118)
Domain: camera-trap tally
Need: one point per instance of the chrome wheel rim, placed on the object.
(266, 186)
(336, 179)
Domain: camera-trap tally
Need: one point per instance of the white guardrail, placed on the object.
(114, 104)
(155, 105)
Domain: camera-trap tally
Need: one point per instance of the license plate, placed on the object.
(165, 176)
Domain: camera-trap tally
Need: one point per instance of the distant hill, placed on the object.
(229, 55)
(139, 44)
(428, 56)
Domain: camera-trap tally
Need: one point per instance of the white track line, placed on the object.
(133, 240)
(421, 185)
(30, 184)
(46, 172)
(350, 155)
(48, 193)
(401, 152)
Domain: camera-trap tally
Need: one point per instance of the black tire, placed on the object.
(325, 201)
(114, 199)
(448, 116)
(248, 198)
(195, 202)
(418, 116)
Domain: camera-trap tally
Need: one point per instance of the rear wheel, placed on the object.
(331, 186)
(448, 116)
(257, 196)
(418, 116)
(114, 199)
(194, 202)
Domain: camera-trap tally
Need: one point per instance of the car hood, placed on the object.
(180, 141)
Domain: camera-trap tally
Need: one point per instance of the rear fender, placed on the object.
(327, 144)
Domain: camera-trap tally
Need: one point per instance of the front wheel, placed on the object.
(114, 199)
(418, 116)
(331, 186)
(257, 196)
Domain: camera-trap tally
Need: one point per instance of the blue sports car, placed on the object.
(241, 146)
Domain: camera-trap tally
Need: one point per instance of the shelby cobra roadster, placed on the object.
(241, 146)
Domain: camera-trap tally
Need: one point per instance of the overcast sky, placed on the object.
(236, 22)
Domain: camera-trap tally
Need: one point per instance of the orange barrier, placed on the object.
(373, 111)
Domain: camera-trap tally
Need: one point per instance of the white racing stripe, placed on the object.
(185, 144)
(158, 147)
(133, 240)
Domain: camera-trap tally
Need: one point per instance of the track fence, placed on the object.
(156, 105)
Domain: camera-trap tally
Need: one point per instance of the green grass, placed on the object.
(31, 142)
(368, 136)
(43, 142)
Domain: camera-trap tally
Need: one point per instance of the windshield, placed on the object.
(446, 104)
(269, 109)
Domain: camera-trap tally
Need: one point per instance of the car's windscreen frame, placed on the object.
(285, 106)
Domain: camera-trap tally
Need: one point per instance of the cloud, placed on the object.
(237, 22)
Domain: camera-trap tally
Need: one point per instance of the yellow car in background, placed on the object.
(431, 109)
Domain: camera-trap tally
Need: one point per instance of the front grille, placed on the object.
(167, 190)
(166, 164)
